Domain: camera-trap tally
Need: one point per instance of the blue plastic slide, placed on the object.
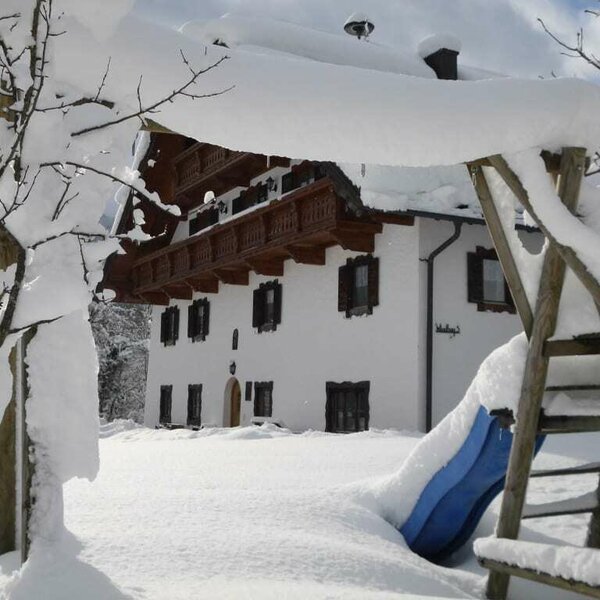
(456, 497)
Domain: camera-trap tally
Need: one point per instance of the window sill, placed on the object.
(359, 311)
(267, 327)
(198, 338)
(261, 420)
(497, 307)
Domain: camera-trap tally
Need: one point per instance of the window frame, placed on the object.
(166, 395)
(259, 306)
(346, 285)
(475, 283)
(169, 326)
(198, 330)
(193, 389)
(259, 388)
(361, 390)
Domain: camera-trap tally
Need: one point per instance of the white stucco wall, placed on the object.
(456, 360)
(313, 344)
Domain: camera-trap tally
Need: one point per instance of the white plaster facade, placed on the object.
(314, 343)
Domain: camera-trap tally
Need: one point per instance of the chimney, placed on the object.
(440, 52)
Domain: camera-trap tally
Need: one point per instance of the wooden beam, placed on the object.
(539, 577)
(550, 424)
(155, 127)
(154, 298)
(307, 256)
(205, 286)
(574, 347)
(232, 277)
(505, 255)
(536, 371)
(272, 266)
(593, 535)
(585, 503)
(568, 187)
(392, 218)
(8, 474)
(356, 242)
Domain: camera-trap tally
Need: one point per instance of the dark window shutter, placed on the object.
(237, 205)
(287, 183)
(373, 276)
(206, 320)
(474, 277)
(277, 308)
(248, 393)
(163, 327)
(193, 225)
(175, 323)
(213, 216)
(344, 287)
(257, 308)
(191, 328)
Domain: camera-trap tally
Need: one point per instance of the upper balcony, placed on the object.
(204, 167)
(299, 226)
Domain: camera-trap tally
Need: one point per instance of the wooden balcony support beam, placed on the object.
(157, 298)
(204, 286)
(357, 242)
(232, 277)
(307, 256)
(263, 266)
(179, 292)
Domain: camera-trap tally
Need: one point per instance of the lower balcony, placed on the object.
(299, 227)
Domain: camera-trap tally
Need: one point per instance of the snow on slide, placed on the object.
(439, 495)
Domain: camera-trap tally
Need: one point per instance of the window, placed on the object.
(266, 309)
(169, 326)
(198, 319)
(347, 407)
(263, 398)
(203, 219)
(194, 408)
(485, 281)
(235, 339)
(248, 392)
(166, 392)
(358, 285)
(262, 193)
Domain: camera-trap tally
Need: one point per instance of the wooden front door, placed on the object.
(236, 396)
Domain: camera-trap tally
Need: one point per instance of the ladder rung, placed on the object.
(573, 506)
(580, 470)
(573, 388)
(580, 346)
(568, 424)
(540, 577)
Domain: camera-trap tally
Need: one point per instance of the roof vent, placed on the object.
(359, 25)
(440, 52)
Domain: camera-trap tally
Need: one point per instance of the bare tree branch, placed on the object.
(151, 108)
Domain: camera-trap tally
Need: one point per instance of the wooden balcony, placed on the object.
(204, 167)
(300, 226)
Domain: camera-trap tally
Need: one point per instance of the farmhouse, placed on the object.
(315, 295)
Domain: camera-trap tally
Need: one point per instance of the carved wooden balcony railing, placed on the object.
(204, 167)
(300, 226)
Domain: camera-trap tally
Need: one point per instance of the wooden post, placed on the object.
(536, 370)
(505, 256)
(593, 536)
(8, 475)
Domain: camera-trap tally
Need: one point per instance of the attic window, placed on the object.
(486, 284)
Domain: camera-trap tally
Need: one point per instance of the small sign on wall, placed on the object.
(451, 331)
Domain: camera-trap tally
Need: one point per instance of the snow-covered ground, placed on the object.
(259, 513)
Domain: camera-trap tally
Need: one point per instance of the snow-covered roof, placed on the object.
(267, 36)
(438, 190)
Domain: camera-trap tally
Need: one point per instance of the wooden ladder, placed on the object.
(539, 326)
